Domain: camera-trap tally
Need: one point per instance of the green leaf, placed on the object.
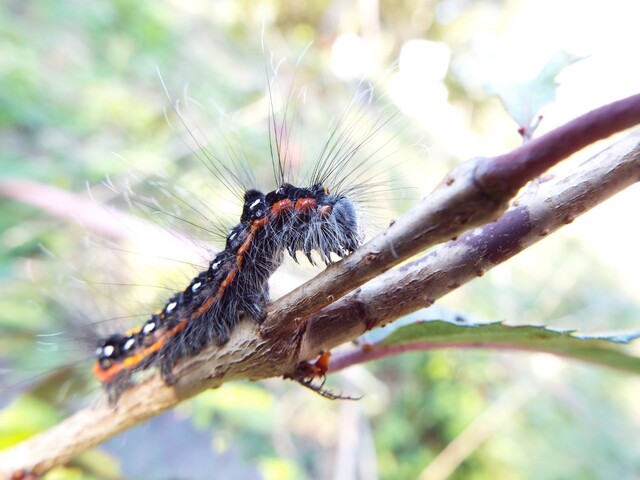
(608, 350)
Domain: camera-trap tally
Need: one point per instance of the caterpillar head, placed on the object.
(314, 219)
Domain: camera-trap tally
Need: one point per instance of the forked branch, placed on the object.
(299, 326)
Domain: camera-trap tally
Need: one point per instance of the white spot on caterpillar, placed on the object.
(129, 343)
(108, 350)
(196, 286)
(149, 327)
(255, 202)
(170, 307)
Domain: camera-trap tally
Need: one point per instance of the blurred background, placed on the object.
(83, 109)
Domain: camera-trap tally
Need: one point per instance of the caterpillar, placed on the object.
(318, 216)
(288, 219)
(236, 283)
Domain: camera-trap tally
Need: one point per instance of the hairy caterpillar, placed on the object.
(354, 142)
(320, 218)
(324, 217)
(288, 218)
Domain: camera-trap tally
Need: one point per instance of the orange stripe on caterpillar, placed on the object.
(136, 358)
(107, 375)
(306, 205)
(281, 207)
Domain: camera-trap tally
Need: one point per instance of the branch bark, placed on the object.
(297, 328)
(543, 208)
(472, 194)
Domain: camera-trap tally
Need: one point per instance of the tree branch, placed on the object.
(471, 195)
(543, 208)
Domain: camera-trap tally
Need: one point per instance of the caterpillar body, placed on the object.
(321, 217)
(236, 283)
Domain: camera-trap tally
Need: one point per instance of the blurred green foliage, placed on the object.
(80, 81)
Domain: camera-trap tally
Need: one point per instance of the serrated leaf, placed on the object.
(605, 350)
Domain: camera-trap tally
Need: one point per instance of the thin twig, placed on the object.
(104, 220)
